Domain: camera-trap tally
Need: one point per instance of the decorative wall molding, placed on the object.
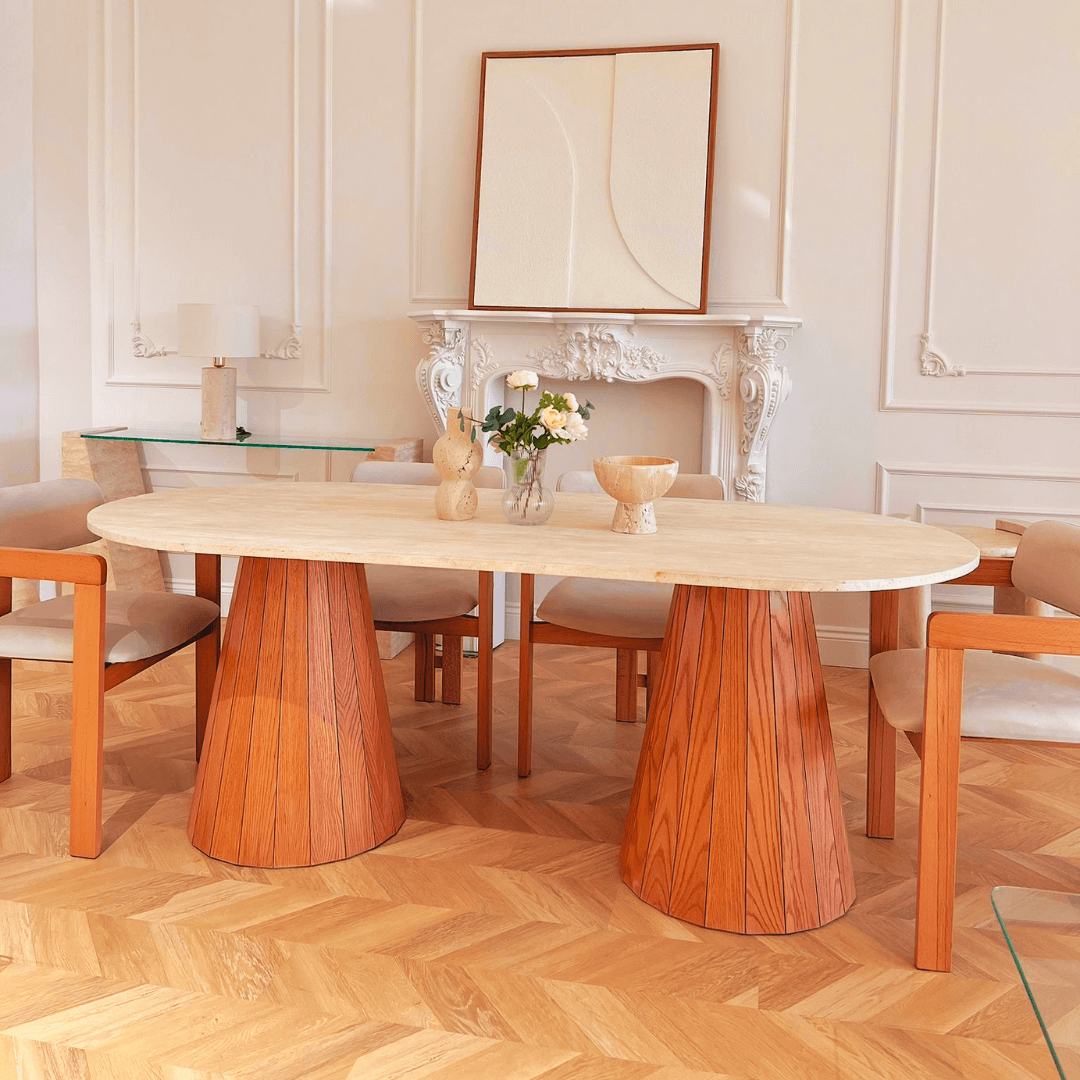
(462, 367)
(716, 304)
(290, 347)
(932, 361)
(887, 470)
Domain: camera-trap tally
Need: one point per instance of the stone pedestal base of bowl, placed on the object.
(634, 481)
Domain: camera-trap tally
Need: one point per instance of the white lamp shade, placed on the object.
(217, 330)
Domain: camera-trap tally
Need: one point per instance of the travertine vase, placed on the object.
(457, 457)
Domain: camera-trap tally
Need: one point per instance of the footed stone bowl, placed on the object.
(633, 482)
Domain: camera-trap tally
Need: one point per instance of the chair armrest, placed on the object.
(989, 572)
(53, 566)
(1004, 633)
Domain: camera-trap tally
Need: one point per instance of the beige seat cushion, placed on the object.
(618, 608)
(137, 625)
(420, 593)
(1005, 697)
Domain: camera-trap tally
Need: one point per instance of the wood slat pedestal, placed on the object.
(735, 820)
(298, 764)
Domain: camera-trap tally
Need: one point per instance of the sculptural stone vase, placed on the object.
(457, 457)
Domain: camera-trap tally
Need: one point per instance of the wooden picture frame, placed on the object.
(566, 221)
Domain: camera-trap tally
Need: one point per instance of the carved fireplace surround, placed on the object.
(733, 356)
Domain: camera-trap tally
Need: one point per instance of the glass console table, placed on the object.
(384, 449)
(1042, 929)
(110, 457)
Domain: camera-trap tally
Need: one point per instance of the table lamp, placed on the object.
(220, 331)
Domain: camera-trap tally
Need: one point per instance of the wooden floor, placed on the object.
(491, 939)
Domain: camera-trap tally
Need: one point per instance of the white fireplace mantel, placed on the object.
(732, 356)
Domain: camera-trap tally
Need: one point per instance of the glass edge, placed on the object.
(248, 443)
(1027, 986)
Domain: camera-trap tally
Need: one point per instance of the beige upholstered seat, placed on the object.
(137, 625)
(428, 602)
(107, 637)
(411, 593)
(1005, 697)
(420, 593)
(636, 609)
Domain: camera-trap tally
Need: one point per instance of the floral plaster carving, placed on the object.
(597, 351)
(288, 348)
(933, 363)
(142, 346)
(439, 376)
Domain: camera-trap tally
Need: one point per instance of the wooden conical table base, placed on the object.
(298, 763)
(735, 819)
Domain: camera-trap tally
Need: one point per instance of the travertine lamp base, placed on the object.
(219, 404)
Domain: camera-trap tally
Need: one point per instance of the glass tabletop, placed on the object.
(1042, 929)
(192, 437)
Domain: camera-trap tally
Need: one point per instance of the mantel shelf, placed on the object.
(623, 318)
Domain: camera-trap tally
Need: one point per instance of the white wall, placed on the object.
(317, 159)
(18, 319)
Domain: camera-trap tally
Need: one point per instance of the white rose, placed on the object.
(523, 380)
(552, 419)
(575, 427)
(571, 402)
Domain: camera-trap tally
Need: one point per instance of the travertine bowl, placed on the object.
(634, 481)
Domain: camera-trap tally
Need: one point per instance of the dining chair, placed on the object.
(426, 602)
(107, 637)
(627, 616)
(958, 688)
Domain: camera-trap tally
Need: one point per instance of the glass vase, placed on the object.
(528, 502)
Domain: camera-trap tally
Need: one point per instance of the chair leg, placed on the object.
(652, 677)
(424, 673)
(936, 891)
(5, 719)
(525, 675)
(451, 669)
(880, 737)
(88, 721)
(484, 672)
(626, 662)
(5, 691)
(207, 649)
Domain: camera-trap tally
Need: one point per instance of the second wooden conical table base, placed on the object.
(735, 819)
(298, 763)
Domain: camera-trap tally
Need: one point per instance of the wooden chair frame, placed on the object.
(453, 630)
(948, 635)
(627, 677)
(92, 676)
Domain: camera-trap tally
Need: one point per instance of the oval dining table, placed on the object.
(734, 821)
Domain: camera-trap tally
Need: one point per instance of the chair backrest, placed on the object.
(686, 486)
(50, 515)
(1047, 564)
(419, 472)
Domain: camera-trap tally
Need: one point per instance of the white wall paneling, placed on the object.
(981, 222)
(217, 158)
(942, 493)
(18, 315)
(754, 180)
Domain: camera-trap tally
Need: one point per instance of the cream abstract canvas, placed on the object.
(594, 180)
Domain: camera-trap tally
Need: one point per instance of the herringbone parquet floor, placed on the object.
(491, 939)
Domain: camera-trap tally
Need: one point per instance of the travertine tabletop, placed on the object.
(992, 543)
(727, 544)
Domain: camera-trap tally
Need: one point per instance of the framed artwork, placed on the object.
(594, 173)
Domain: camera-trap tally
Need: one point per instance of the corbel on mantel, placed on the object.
(734, 357)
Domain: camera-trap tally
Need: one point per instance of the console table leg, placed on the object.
(735, 818)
